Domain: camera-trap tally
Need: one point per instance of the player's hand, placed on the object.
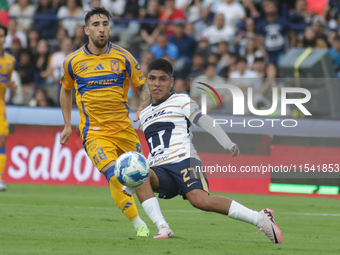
(137, 117)
(65, 135)
(234, 151)
(12, 86)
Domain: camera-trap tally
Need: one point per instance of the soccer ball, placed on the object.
(132, 169)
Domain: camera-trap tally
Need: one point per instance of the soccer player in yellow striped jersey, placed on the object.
(101, 73)
(7, 62)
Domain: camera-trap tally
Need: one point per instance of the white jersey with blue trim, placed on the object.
(167, 128)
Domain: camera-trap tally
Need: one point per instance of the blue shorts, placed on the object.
(180, 178)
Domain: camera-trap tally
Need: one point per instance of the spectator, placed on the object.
(214, 58)
(310, 40)
(252, 52)
(209, 77)
(146, 58)
(203, 47)
(219, 32)
(330, 38)
(53, 71)
(131, 9)
(197, 65)
(115, 6)
(186, 48)
(318, 27)
(23, 8)
(274, 29)
(27, 72)
(233, 12)
(41, 99)
(42, 57)
(271, 81)
(259, 66)
(300, 15)
(47, 28)
(223, 51)
(180, 86)
(163, 47)
(335, 52)
(194, 11)
(244, 35)
(74, 10)
(33, 39)
(170, 13)
(56, 43)
(12, 33)
(15, 50)
(148, 31)
(79, 38)
(245, 78)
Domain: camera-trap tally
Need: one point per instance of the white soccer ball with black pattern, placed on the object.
(132, 169)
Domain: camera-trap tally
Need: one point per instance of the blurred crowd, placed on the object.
(240, 40)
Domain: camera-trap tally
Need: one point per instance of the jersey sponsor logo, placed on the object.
(141, 77)
(137, 66)
(158, 159)
(102, 82)
(157, 114)
(83, 67)
(115, 66)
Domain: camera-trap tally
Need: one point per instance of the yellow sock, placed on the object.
(2, 162)
(125, 203)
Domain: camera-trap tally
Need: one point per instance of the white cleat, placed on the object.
(269, 227)
(3, 187)
(164, 232)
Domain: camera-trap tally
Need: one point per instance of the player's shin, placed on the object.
(2, 161)
(125, 203)
(153, 210)
(242, 213)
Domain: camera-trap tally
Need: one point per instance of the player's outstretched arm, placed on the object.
(144, 99)
(66, 107)
(216, 131)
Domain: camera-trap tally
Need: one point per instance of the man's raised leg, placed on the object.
(264, 220)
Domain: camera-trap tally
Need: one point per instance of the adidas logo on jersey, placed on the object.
(99, 67)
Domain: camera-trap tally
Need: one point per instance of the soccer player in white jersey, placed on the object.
(173, 159)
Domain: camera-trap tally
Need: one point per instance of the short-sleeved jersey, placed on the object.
(167, 128)
(101, 83)
(7, 63)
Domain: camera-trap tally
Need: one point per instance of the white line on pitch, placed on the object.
(184, 211)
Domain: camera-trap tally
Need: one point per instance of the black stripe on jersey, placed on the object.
(198, 116)
(188, 125)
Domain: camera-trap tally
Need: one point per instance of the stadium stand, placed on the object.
(263, 32)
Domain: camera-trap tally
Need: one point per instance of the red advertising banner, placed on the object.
(35, 156)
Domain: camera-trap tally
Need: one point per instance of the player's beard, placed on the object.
(100, 43)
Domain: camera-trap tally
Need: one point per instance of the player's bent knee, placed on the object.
(199, 202)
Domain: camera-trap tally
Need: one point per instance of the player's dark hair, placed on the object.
(161, 64)
(97, 11)
(5, 29)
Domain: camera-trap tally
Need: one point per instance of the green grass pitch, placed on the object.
(38, 219)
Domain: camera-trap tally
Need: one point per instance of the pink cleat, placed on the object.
(269, 227)
(164, 232)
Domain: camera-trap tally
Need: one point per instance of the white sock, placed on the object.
(153, 210)
(137, 222)
(129, 190)
(240, 212)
